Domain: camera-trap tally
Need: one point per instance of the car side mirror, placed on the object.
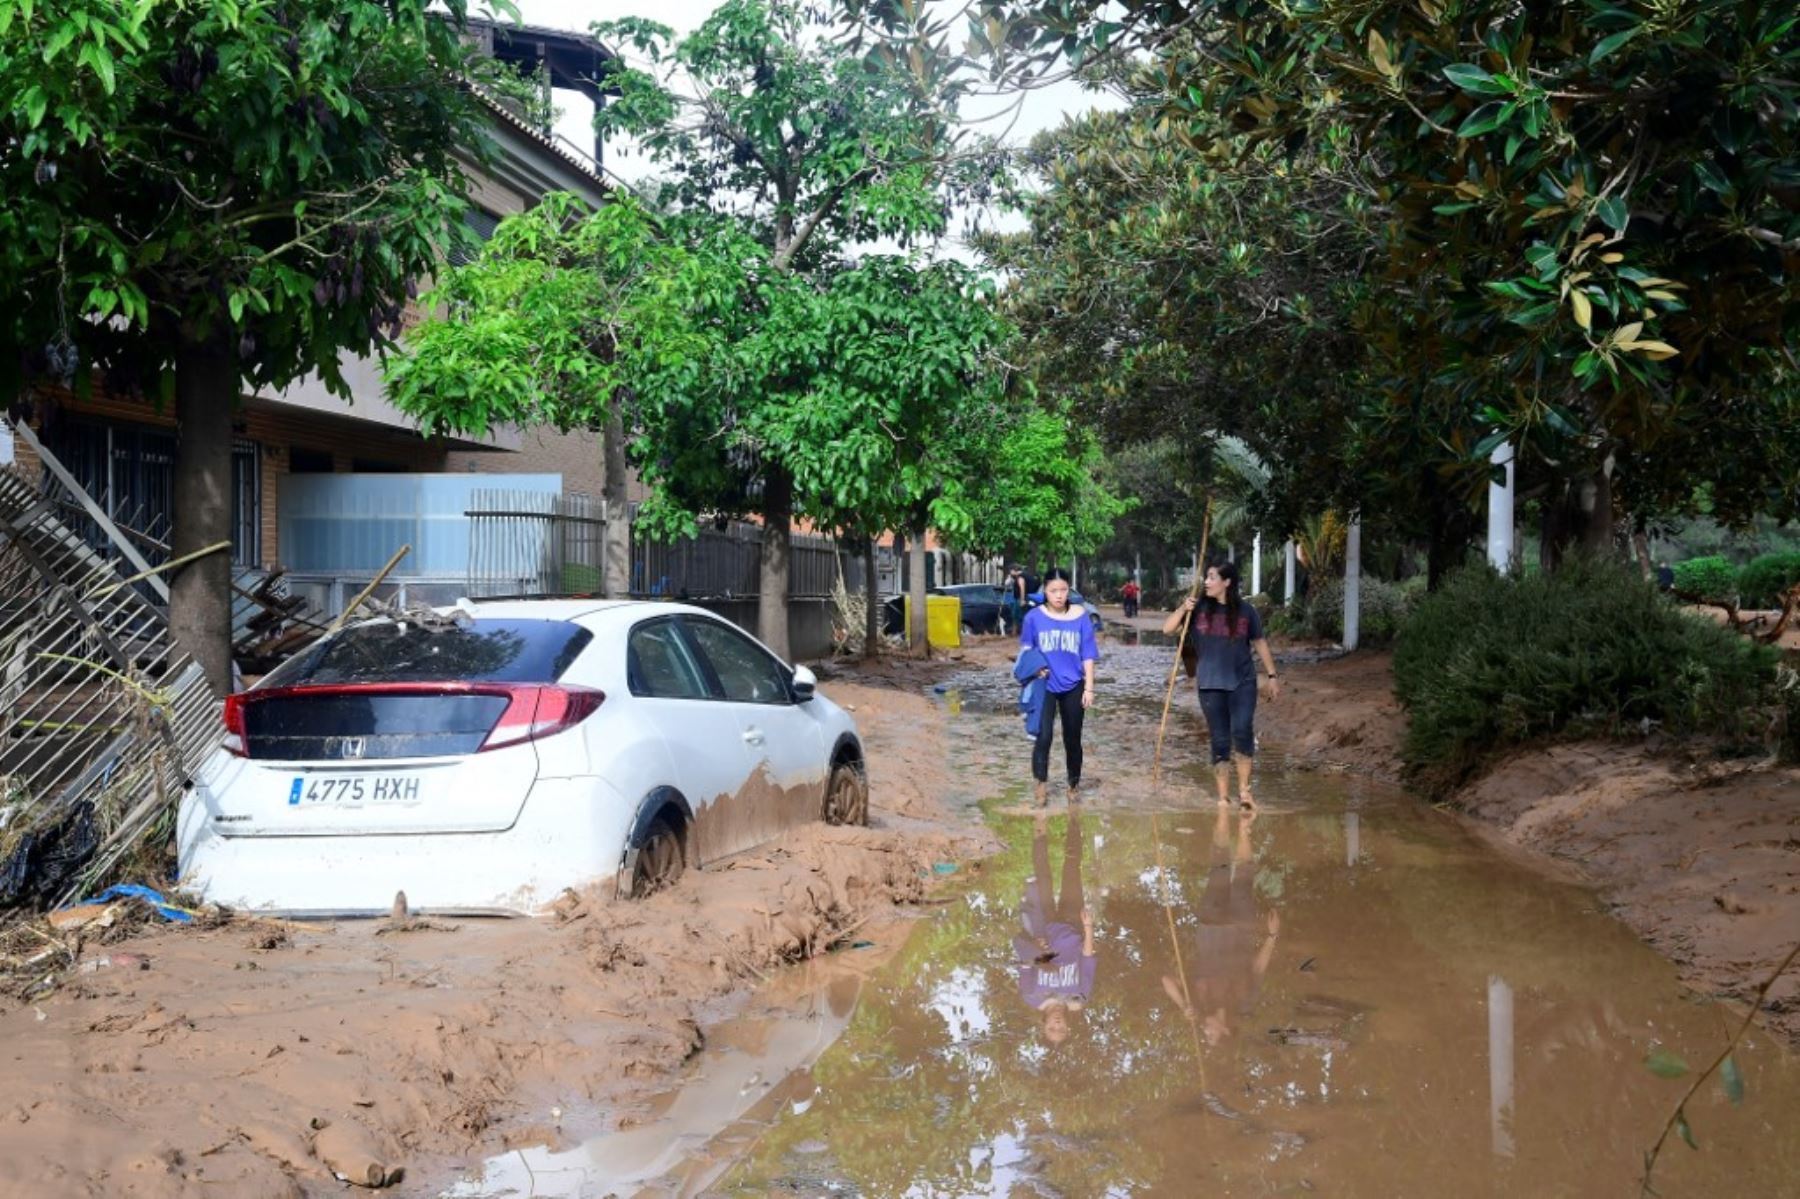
(805, 683)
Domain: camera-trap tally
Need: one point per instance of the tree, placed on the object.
(801, 152)
(862, 374)
(1590, 213)
(221, 195)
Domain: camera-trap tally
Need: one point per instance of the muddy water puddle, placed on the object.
(1347, 994)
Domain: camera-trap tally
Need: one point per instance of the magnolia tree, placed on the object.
(209, 197)
(1587, 227)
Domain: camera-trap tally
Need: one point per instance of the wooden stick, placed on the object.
(1181, 637)
(171, 564)
(1162, 874)
(367, 591)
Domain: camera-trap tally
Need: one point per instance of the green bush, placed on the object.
(1489, 662)
(1384, 606)
(1706, 579)
(1763, 579)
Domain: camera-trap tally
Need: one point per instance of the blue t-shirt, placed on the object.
(1065, 644)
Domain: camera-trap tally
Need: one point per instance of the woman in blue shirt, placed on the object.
(1064, 634)
(1225, 629)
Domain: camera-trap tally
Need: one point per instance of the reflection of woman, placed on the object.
(1055, 949)
(1227, 963)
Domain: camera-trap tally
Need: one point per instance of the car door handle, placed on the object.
(753, 736)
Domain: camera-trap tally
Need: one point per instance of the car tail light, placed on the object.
(234, 724)
(541, 712)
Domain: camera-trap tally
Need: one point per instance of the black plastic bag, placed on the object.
(46, 860)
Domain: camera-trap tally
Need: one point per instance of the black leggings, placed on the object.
(1069, 704)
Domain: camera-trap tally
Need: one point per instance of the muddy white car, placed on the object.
(485, 758)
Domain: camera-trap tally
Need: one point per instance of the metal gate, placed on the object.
(531, 543)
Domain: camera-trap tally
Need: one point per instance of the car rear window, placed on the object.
(474, 651)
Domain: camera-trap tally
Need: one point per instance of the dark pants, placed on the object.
(1231, 720)
(1068, 703)
(1131, 609)
(1046, 904)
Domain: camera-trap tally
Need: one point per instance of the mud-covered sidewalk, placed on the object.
(1700, 858)
(267, 1058)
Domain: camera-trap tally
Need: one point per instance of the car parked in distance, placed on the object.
(981, 608)
(487, 757)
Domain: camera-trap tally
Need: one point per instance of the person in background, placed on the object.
(1015, 597)
(1064, 634)
(1054, 950)
(1130, 594)
(1226, 635)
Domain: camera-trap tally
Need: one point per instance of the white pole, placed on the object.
(1500, 511)
(1352, 838)
(1137, 568)
(1500, 1065)
(1074, 577)
(1353, 584)
(1291, 557)
(1256, 565)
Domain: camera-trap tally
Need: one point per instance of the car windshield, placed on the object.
(473, 651)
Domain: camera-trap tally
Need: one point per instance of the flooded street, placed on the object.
(1348, 994)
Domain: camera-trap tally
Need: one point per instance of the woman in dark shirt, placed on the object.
(1223, 631)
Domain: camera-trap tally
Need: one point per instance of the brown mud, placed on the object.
(262, 1058)
(1700, 858)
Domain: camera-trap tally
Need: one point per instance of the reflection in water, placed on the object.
(1228, 953)
(1055, 946)
(1500, 1065)
(1358, 968)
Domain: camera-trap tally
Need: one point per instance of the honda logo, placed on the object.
(345, 747)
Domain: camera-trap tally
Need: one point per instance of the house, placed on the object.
(122, 449)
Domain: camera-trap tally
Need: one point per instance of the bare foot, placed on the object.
(1042, 795)
(1246, 800)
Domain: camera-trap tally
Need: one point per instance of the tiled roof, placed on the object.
(518, 124)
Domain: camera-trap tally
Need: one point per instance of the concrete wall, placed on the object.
(809, 623)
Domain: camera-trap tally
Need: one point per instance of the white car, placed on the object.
(486, 760)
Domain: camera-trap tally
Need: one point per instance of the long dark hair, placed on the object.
(1233, 596)
(1056, 574)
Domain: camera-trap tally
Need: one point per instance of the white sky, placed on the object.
(1042, 108)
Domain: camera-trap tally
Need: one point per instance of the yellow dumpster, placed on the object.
(943, 620)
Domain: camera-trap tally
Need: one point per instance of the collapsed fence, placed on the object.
(102, 717)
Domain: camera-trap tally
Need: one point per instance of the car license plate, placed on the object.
(353, 789)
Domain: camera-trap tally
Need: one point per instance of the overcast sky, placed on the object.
(1040, 109)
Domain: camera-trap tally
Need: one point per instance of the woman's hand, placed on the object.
(1044, 673)
(1087, 697)
(1274, 688)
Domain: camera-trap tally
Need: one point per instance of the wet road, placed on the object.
(1347, 995)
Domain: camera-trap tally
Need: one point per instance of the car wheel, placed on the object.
(660, 860)
(847, 795)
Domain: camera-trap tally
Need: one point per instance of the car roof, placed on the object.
(542, 609)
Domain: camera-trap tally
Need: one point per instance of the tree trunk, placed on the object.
(1640, 542)
(1595, 512)
(916, 637)
(616, 563)
(772, 579)
(200, 592)
(872, 608)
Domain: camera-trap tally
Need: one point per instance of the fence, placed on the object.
(726, 564)
(529, 543)
(535, 543)
(102, 717)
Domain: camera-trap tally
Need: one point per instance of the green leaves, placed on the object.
(1608, 45)
(1477, 82)
(1665, 1063)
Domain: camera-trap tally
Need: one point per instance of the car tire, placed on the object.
(846, 795)
(660, 861)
